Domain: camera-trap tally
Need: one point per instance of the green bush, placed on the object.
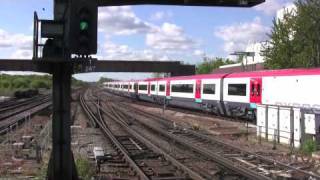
(84, 168)
(20, 83)
(5, 84)
(309, 146)
(40, 84)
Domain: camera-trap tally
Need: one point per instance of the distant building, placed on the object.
(256, 60)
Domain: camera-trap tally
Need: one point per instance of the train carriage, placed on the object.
(235, 94)
(211, 95)
(144, 90)
(241, 93)
(292, 88)
(183, 92)
(160, 94)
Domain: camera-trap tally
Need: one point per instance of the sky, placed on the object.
(147, 32)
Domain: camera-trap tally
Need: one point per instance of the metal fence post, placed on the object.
(164, 105)
(260, 134)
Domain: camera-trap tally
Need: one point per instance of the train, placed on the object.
(228, 94)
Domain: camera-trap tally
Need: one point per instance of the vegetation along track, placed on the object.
(147, 160)
(249, 164)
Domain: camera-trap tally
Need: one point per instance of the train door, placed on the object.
(256, 90)
(135, 88)
(149, 88)
(198, 89)
(168, 88)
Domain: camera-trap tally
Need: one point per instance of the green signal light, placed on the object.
(84, 25)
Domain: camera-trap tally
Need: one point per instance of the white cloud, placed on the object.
(169, 37)
(199, 52)
(270, 7)
(121, 21)
(113, 51)
(124, 21)
(21, 54)
(19, 44)
(23, 73)
(160, 15)
(10, 40)
(237, 36)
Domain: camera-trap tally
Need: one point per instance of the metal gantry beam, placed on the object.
(173, 67)
(226, 3)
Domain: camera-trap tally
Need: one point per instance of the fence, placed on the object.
(287, 125)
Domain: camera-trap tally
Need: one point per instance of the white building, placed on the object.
(257, 47)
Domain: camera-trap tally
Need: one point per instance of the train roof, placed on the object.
(264, 73)
(279, 72)
(200, 76)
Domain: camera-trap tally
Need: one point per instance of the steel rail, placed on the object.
(108, 133)
(16, 103)
(117, 117)
(219, 141)
(226, 163)
(11, 121)
(29, 105)
(121, 120)
(8, 102)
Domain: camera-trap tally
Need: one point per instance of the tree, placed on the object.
(208, 65)
(279, 50)
(295, 40)
(307, 32)
(104, 79)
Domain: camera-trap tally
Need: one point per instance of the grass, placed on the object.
(309, 146)
(84, 168)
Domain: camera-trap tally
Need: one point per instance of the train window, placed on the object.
(184, 88)
(125, 86)
(237, 89)
(153, 87)
(162, 88)
(130, 86)
(258, 90)
(143, 87)
(209, 89)
(135, 86)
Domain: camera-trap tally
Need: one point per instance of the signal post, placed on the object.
(71, 39)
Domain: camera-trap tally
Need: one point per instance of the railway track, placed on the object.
(11, 116)
(22, 106)
(147, 160)
(15, 103)
(8, 102)
(189, 162)
(249, 164)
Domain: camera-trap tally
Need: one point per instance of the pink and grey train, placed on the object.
(234, 95)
